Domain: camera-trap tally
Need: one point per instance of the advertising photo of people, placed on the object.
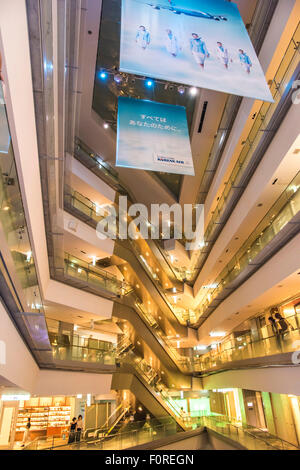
(198, 43)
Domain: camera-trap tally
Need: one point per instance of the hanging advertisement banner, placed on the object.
(201, 43)
(153, 136)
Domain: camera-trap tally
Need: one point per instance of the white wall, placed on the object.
(19, 368)
(75, 298)
(101, 190)
(51, 382)
(276, 380)
(22, 371)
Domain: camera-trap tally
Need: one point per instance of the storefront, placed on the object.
(49, 416)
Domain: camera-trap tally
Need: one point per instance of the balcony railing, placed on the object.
(248, 348)
(70, 346)
(281, 213)
(94, 277)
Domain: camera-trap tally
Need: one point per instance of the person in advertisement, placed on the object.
(142, 37)
(172, 43)
(245, 61)
(199, 49)
(223, 54)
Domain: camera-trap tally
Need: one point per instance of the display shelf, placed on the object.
(43, 418)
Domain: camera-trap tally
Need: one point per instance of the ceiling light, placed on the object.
(103, 75)
(118, 78)
(105, 125)
(6, 208)
(181, 90)
(149, 83)
(215, 334)
(193, 91)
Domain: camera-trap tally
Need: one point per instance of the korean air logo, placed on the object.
(2, 353)
(296, 354)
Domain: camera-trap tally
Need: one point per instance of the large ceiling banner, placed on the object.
(202, 43)
(153, 136)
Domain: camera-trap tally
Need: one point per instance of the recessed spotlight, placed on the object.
(103, 75)
(118, 78)
(181, 90)
(193, 91)
(260, 204)
(105, 125)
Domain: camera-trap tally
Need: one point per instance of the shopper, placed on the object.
(284, 324)
(26, 435)
(183, 414)
(72, 431)
(273, 322)
(79, 428)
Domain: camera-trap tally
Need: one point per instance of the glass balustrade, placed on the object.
(80, 203)
(281, 213)
(143, 432)
(249, 349)
(12, 214)
(70, 346)
(17, 262)
(281, 82)
(248, 436)
(93, 276)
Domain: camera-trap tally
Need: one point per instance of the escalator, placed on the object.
(128, 379)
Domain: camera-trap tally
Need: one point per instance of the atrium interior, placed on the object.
(130, 341)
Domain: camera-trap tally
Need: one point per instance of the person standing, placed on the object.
(273, 322)
(223, 54)
(245, 61)
(72, 431)
(142, 37)
(199, 49)
(79, 428)
(172, 43)
(284, 324)
(26, 435)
